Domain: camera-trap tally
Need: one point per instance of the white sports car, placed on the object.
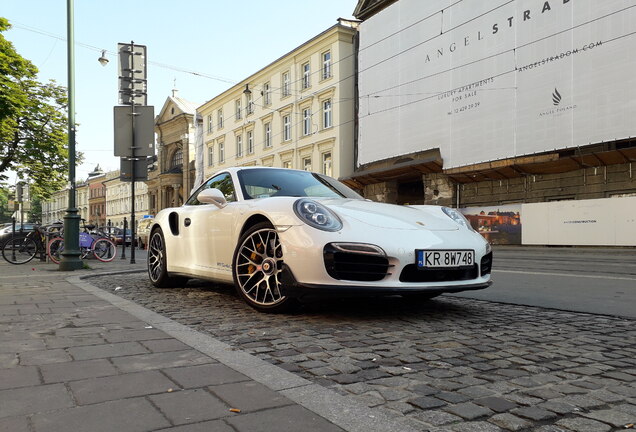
(280, 234)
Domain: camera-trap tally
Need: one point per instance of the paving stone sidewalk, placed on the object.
(450, 365)
(73, 358)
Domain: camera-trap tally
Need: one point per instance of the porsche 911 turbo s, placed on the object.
(280, 234)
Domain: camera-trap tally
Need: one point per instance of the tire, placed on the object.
(54, 249)
(157, 263)
(256, 265)
(104, 250)
(19, 250)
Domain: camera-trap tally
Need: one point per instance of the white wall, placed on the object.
(599, 222)
(479, 79)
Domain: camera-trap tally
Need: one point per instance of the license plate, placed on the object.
(444, 258)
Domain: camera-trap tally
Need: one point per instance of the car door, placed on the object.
(205, 226)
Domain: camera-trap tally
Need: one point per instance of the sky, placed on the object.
(199, 47)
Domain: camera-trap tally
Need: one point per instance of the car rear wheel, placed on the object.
(157, 263)
(257, 267)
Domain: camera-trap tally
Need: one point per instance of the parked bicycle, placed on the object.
(92, 242)
(22, 246)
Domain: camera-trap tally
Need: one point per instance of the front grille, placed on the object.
(411, 273)
(486, 264)
(352, 266)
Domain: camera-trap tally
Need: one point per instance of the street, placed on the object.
(520, 357)
(594, 280)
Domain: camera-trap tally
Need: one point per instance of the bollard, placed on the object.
(123, 242)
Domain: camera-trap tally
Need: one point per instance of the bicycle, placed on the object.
(96, 244)
(21, 248)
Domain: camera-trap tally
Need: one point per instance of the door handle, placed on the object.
(187, 222)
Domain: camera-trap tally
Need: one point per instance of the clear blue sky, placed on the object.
(226, 39)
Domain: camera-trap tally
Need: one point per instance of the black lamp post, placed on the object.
(71, 255)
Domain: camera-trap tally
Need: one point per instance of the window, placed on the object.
(250, 142)
(286, 84)
(239, 146)
(287, 164)
(287, 127)
(326, 164)
(177, 159)
(221, 153)
(210, 123)
(267, 94)
(211, 155)
(306, 75)
(222, 182)
(326, 114)
(268, 134)
(250, 104)
(306, 121)
(237, 109)
(326, 65)
(219, 118)
(307, 164)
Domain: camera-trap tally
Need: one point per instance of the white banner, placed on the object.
(600, 222)
(488, 80)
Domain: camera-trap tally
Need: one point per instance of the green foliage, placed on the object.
(33, 123)
(13, 69)
(35, 213)
(5, 212)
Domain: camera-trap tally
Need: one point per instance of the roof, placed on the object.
(367, 8)
(184, 105)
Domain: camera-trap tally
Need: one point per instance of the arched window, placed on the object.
(177, 159)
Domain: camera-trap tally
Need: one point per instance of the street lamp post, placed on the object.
(71, 255)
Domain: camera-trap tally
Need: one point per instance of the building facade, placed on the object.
(96, 197)
(54, 208)
(510, 107)
(171, 177)
(297, 112)
(118, 202)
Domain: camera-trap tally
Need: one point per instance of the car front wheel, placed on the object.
(257, 267)
(157, 263)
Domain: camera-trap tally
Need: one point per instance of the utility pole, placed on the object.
(134, 127)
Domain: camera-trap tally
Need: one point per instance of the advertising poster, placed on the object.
(500, 225)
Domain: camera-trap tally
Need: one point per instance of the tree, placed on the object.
(33, 123)
(5, 212)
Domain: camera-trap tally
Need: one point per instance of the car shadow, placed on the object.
(360, 308)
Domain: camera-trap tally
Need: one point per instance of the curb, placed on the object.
(350, 415)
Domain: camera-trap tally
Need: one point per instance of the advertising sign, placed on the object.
(499, 225)
(484, 81)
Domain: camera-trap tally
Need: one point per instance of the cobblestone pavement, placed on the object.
(449, 364)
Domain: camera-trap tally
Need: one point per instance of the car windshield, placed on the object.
(266, 182)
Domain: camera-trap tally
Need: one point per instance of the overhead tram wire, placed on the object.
(19, 25)
(226, 80)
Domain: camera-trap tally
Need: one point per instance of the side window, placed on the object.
(222, 182)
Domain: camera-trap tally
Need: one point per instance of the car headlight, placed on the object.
(317, 215)
(457, 217)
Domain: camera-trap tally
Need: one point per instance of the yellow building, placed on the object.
(297, 112)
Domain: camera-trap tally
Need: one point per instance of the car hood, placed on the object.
(391, 216)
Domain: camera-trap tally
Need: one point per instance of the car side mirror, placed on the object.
(212, 196)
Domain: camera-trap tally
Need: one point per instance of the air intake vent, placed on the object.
(355, 262)
(486, 264)
(411, 273)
